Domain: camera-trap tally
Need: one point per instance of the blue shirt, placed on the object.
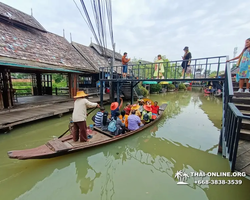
(114, 111)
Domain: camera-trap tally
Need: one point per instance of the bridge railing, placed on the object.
(232, 133)
(231, 121)
(201, 68)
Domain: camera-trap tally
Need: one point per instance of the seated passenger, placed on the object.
(155, 108)
(147, 114)
(105, 121)
(141, 104)
(127, 108)
(134, 121)
(98, 117)
(124, 118)
(137, 112)
(116, 127)
(115, 107)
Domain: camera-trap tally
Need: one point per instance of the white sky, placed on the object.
(145, 28)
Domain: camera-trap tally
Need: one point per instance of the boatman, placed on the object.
(125, 61)
(80, 115)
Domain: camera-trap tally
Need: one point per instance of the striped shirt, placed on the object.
(98, 119)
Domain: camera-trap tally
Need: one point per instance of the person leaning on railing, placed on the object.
(186, 63)
(243, 64)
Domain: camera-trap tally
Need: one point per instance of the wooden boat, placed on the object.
(65, 145)
(207, 92)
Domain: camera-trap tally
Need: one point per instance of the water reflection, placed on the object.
(142, 166)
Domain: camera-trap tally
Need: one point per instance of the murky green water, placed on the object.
(140, 167)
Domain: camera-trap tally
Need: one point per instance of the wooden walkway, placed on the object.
(14, 117)
(243, 157)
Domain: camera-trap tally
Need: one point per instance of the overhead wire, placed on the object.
(102, 14)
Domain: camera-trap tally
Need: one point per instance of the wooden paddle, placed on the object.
(69, 128)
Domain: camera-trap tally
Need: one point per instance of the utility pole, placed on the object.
(111, 93)
(63, 33)
(31, 12)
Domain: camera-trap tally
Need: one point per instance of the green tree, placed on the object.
(58, 78)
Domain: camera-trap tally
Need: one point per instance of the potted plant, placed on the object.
(171, 87)
(182, 87)
(155, 88)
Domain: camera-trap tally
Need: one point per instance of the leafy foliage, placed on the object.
(143, 90)
(214, 73)
(155, 88)
(171, 86)
(147, 70)
(182, 86)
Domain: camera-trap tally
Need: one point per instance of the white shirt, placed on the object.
(80, 109)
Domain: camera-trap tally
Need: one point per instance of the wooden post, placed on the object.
(70, 85)
(132, 93)
(39, 83)
(118, 92)
(1, 91)
(101, 93)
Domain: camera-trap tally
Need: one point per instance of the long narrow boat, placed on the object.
(65, 145)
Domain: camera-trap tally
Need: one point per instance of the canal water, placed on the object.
(141, 167)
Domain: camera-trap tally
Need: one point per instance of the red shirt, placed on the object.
(155, 109)
(127, 110)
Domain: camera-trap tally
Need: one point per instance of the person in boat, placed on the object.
(124, 118)
(98, 117)
(127, 108)
(116, 125)
(134, 121)
(155, 108)
(115, 107)
(79, 116)
(159, 68)
(243, 67)
(105, 121)
(186, 63)
(147, 114)
(141, 104)
(136, 107)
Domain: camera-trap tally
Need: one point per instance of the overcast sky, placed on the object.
(146, 28)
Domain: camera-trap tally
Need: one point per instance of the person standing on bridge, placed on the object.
(159, 68)
(244, 67)
(125, 61)
(79, 116)
(186, 63)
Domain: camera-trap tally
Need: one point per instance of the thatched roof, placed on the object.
(93, 57)
(109, 53)
(39, 48)
(17, 17)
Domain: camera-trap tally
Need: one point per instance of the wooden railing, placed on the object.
(60, 91)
